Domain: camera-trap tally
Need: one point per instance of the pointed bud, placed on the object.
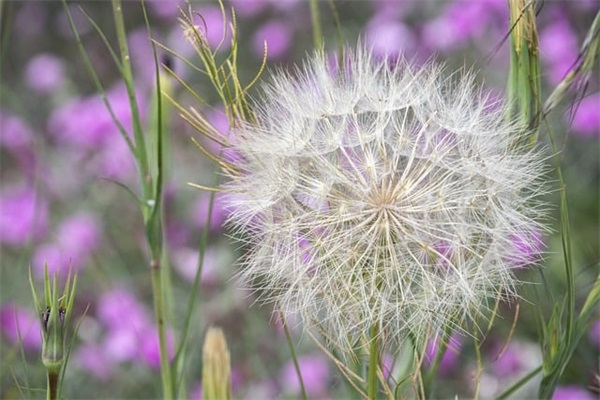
(216, 370)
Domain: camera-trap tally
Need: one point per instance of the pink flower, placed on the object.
(23, 216)
(18, 321)
(45, 73)
(586, 121)
(278, 37)
(572, 392)
(315, 375)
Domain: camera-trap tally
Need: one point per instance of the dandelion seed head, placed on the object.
(372, 194)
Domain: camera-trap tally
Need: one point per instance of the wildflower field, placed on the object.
(300, 199)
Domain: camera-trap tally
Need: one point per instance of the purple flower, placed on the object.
(278, 37)
(28, 13)
(79, 236)
(315, 375)
(150, 347)
(558, 41)
(51, 255)
(511, 362)
(528, 247)
(248, 8)
(185, 261)
(572, 392)
(119, 309)
(586, 121)
(93, 359)
(200, 212)
(122, 345)
(15, 134)
(18, 321)
(86, 122)
(22, 216)
(451, 355)
(210, 23)
(165, 9)
(389, 38)
(460, 22)
(45, 73)
(17, 138)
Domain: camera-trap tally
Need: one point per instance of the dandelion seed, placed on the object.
(379, 195)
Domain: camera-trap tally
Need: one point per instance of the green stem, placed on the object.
(165, 367)
(316, 23)
(288, 337)
(373, 363)
(140, 145)
(52, 392)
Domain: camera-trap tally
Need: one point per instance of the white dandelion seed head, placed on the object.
(381, 195)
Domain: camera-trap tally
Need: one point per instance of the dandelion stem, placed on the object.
(373, 363)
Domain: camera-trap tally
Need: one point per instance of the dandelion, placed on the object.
(380, 195)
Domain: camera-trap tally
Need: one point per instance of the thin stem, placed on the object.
(165, 367)
(373, 363)
(316, 24)
(288, 337)
(140, 145)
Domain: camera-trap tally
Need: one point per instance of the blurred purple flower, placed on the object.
(79, 235)
(17, 138)
(122, 345)
(185, 261)
(140, 49)
(200, 212)
(150, 348)
(219, 121)
(558, 48)
(119, 309)
(166, 9)
(28, 12)
(209, 21)
(558, 41)
(389, 38)
(511, 362)
(23, 216)
(82, 24)
(315, 375)
(50, 254)
(528, 248)
(45, 73)
(278, 37)
(393, 8)
(586, 121)
(248, 8)
(460, 22)
(93, 359)
(86, 122)
(572, 392)
(114, 161)
(16, 320)
(451, 355)
(15, 134)
(285, 5)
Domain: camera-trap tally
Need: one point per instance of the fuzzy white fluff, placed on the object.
(380, 195)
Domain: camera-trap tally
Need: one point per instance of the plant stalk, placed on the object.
(373, 363)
